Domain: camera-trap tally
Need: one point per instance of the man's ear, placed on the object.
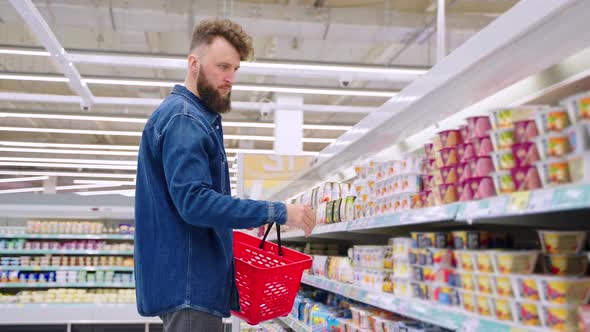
(193, 64)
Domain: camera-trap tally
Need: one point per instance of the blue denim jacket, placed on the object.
(184, 214)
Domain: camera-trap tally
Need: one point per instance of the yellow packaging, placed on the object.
(469, 303)
(526, 287)
(565, 290)
(467, 281)
(503, 286)
(483, 306)
(484, 284)
(528, 313)
(502, 309)
(484, 262)
(561, 318)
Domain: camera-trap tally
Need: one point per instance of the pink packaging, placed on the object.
(526, 178)
(427, 182)
(525, 131)
(447, 139)
(482, 145)
(478, 188)
(446, 157)
(463, 171)
(465, 151)
(478, 126)
(429, 165)
(480, 166)
(449, 174)
(525, 154)
(465, 133)
(429, 149)
(445, 194)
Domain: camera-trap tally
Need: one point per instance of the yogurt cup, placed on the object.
(565, 265)
(449, 175)
(502, 138)
(466, 281)
(560, 317)
(484, 284)
(564, 290)
(553, 172)
(429, 150)
(483, 260)
(579, 136)
(465, 151)
(439, 258)
(503, 182)
(465, 132)
(465, 260)
(525, 178)
(482, 145)
(445, 194)
(527, 313)
(484, 305)
(579, 167)
(446, 157)
(471, 239)
(477, 188)
(505, 117)
(553, 145)
(468, 301)
(525, 154)
(503, 159)
(525, 131)
(480, 166)
(526, 286)
(514, 261)
(552, 119)
(578, 106)
(478, 126)
(503, 309)
(503, 285)
(446, 139)
(562, 242)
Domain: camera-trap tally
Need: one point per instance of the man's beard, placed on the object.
(211, 96)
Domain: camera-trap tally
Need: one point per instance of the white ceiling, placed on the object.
(389, 33)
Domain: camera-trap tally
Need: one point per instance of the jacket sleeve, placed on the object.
(184, 146)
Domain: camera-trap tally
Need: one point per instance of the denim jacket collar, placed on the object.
(183, 91)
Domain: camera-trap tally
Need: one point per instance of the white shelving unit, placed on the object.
(66, 268)
(445, 316)
(295, 324)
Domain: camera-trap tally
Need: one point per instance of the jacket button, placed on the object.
(217, 127)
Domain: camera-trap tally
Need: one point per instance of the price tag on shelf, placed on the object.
(471, 210)
(540, 200)
(471, 324)
(497, 205)
(519, 201)
(571, 197)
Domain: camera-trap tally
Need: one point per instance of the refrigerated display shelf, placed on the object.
(66, 252)
(561, 198)
(66, 285)
(65, 268)
(295, 324)
(68, 236)
(444, 316)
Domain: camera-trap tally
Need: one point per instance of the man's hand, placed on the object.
(301, 216)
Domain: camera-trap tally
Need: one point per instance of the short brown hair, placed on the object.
(206, 31)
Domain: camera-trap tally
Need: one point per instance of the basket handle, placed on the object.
(278, 238)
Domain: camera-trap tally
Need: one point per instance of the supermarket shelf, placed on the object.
(447, 317)
(74, 313)
(66, 252)
(562, 198)
(67, 206)
(68, 236)
(65, 268)
(66, 285)
(295, 324)
(471, 73)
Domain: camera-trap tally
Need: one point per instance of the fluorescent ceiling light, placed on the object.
(122, 183)
(318, 140)
(26, 179)
(22, 190)
(75, 161)
(236, 87)
(316, 91)
(125, 192)
(87, 186)
(250, 137)
(326, 127)
(180, 62)
(70, 151)
(71, 131)
(334, 68)
(142, 120)
(18, 77)
(70, 174)
(75, 146)
(56, 165)
(14, 51)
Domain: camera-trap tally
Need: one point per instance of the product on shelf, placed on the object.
(70, 295)
(75, 227)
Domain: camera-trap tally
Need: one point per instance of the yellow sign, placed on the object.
(263, 174)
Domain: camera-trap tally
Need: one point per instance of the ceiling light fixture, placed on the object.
(56, 165)
(37, 78)
(22, 190)
(74, 161)
(25, 179)
(70, 174)
(124, 192)
(122, 183)
(70, 151)
(75, 146)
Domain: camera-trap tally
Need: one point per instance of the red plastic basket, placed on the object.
(267, 283)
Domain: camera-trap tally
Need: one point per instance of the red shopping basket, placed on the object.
(268, 276)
